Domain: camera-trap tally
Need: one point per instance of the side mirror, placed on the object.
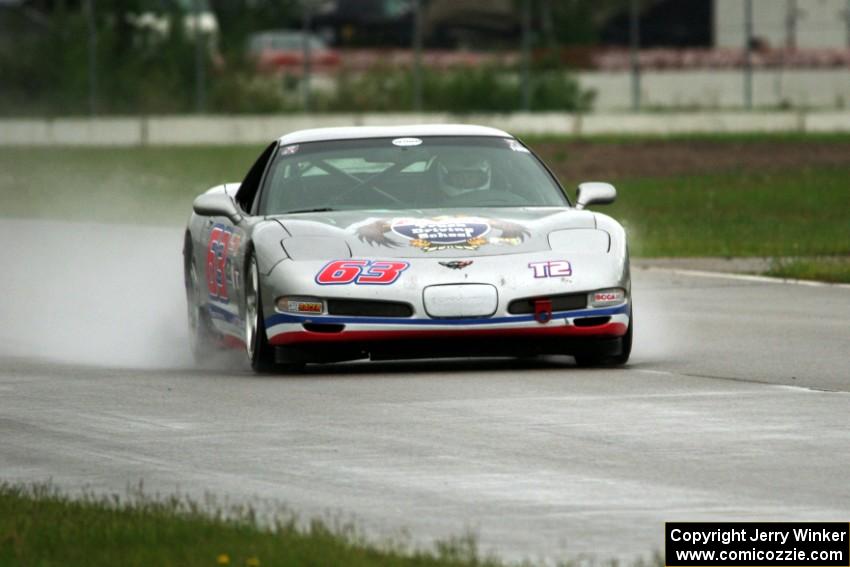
(595, 192)
(217, 205)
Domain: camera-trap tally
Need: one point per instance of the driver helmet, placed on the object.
(459, 174)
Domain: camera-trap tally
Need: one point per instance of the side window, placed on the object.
(251, 184)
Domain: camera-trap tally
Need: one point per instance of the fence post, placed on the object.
(634, 43)
(200, 60)
(525, 78)
(305, 54)
(417, 55)
(748, 54)
(847, 19)
(91, 24)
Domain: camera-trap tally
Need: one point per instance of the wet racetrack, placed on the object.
(736, 405)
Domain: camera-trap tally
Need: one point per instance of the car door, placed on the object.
(226, 243)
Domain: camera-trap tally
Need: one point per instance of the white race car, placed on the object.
(405, 242)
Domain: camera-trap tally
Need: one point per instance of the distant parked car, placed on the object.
(283, 51)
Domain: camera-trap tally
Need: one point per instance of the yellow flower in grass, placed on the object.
(252, 562)
(223, 559)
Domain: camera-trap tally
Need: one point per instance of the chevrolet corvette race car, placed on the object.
(405, 242)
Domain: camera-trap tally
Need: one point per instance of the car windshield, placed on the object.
(405, 173)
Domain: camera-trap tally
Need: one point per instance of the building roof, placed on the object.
(358, 132)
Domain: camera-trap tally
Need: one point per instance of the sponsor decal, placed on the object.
(295, 304)
(517, 147)
(442, 233)
(304, 307)
(457, 264)
(223, 274)
(551, 269)
(361, 272)
(407, 142)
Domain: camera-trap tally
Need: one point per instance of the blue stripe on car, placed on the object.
(280, 318)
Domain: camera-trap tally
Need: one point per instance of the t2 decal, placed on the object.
(361, 272)
(551, 269)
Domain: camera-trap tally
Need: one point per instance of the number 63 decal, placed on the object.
(360, 272)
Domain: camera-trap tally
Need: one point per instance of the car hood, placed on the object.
(428, 233)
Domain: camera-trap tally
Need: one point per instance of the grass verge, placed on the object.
(40, 526)
(137, 185)
(834, 269)
(802, 212)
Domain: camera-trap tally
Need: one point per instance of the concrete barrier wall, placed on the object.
(226, 130)
(721, 89)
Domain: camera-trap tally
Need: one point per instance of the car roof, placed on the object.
(361, 132)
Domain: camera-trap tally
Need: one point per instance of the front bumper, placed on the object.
(307, 338)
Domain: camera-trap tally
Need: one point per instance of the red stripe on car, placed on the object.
(294, 337)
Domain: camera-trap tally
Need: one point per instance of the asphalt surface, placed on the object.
(736, 406)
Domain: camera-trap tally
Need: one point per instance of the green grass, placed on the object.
(799, 212)
(790, 212)
(835, 269)
(39, 526)
(143, 185)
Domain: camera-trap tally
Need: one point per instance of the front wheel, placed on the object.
(260, 354)
(591, 360)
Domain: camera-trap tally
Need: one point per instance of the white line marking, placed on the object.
(746, 277)
(792, 387)
(808, 389)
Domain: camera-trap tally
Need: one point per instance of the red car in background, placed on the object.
(282, 51)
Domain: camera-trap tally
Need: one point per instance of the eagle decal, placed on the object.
(376, 233)
(442, 232)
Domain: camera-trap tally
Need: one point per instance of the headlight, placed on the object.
(302, 248)
(580, 240)
(300, 305)
(607, 297)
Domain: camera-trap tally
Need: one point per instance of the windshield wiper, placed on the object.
(316, 210)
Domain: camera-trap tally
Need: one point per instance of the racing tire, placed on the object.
(202, 336)
(260, 353)
(593, 360)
